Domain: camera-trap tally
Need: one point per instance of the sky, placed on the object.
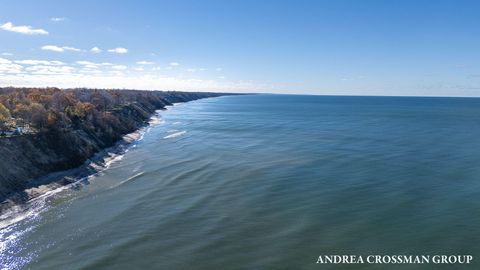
(426, 48)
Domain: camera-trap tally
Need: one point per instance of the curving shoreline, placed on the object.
(67, 158)
(22, 204)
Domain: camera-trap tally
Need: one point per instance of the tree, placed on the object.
(39, 115)
(4, 113)
(34, 113)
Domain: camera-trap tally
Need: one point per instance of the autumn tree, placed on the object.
(33, 113)
(4, 116)
(4, 113)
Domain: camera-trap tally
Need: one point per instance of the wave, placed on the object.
(176, 134)
(33, 207)
(133, 177)
(156, 119)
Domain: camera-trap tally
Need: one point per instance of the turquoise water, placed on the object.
(271, 182)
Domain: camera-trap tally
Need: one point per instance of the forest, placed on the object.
(33, 110)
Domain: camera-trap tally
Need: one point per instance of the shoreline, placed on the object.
(27, 202)
(20, 204)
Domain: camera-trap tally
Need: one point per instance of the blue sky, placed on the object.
(315, 47)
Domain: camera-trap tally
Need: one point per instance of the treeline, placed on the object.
(92, 110)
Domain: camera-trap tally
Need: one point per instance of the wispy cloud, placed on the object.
(52, 48)
(174, 64)
(55, 48)
(41, 73)
(88, 64)
(57, 19)
(4, 61)
(93, 78)
(145, 63)
(119, 50)
(23, 29)
(66, 48)
(92, 65)
(119, 67)
(95, 50)
(7, 66)
(7, 54)
(39, 62)
(50, 70)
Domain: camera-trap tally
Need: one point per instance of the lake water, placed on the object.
(271, 182)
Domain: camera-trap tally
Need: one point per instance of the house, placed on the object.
(19, 129)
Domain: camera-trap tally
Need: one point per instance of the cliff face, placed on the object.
(31, 156)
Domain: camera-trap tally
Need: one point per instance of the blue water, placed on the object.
(271, 182)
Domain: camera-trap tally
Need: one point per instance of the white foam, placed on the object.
(31, 208)
(128, 179)
(112, 158)
(156, 120)
(176, 134)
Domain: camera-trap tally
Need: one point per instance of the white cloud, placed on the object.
(39, 62)
(90, 71)
(7, 54)
(10, 69)
(66, 48)
(191, 70)
(86, 63)
(145, 63)
(4, 61)
(120, 80)
(22, 29)
(95, 50)
(42, 73)
(57, 19)
(7, 66)
(92, 65)
(119, 67)
(54, 48)
(174, 64)
(119, 50)
(50, 70)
